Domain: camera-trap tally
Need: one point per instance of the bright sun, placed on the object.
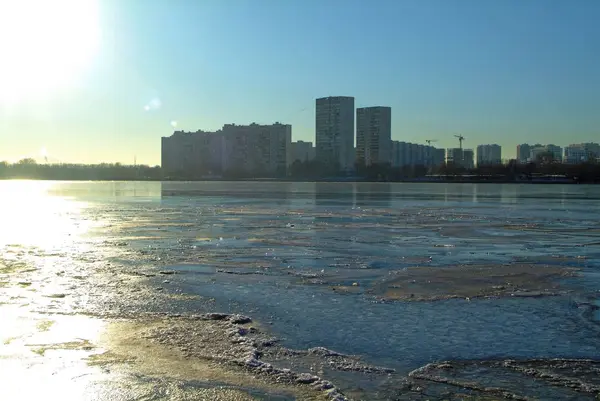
(44, 45)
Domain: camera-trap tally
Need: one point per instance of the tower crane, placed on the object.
(460, 140)
(429, 141)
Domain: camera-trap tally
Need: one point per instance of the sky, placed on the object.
(505, 72)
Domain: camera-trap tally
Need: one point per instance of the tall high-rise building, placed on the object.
(373, 135)
(489, 154)
(334, 131)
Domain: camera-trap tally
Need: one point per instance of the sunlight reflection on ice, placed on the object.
(29, 216)
(49, 352)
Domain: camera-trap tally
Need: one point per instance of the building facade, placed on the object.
(373, 135)
(468, 158)
(523, 153)
(405, 154)
(192, 153)
(245, 150)
(334, 132)
(575, 154)
(303, 151)
(538, 150)
(460, 157)
(437, 156)
(593, 149)
(454, 156)
(258, 150)
(581, 153)
(557, 152)
(489, 155)
(401, 154)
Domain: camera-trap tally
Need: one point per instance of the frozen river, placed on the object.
(305, 259)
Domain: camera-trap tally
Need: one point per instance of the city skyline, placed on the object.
(241, 148)
(503, 72)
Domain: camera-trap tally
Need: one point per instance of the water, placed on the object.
(294, 241)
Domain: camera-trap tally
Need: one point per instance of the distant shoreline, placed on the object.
(331, 180)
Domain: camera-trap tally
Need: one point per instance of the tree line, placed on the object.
(512, 171)
(312, 170)
(30, 169)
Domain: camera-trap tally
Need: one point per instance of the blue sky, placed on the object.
(506, 72)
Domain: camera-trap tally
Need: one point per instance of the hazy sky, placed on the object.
(503, 71)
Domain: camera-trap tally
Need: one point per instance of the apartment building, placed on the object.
(303, 151)
(258, 150)
(334, 132)
(460, 157)
(489, 155)
(373, 135)
(411, 154)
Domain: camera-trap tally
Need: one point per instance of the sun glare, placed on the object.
(45, 45)
(30, 216)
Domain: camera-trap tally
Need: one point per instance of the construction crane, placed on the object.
(460, 140)
(429, 141)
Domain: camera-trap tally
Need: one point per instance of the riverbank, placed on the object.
(78, 354)
(217, 356)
